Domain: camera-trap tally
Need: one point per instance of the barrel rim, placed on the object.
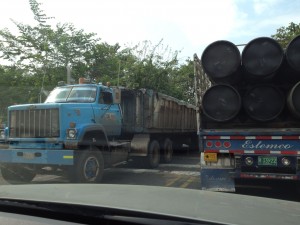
(265, 85)
(288, 49)
(248, 46)
(236, 67)
(239, 103)
(290, 101)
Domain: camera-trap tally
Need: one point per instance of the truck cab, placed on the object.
(77, 124)
(92, 104)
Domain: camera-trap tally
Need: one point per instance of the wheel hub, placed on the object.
(91, 169)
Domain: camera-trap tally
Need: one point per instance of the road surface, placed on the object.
(183, 172)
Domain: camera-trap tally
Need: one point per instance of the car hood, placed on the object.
(225, 208)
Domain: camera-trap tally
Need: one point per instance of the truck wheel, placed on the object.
(153, 154)
(167, 151)
(89, 167)
(17, 174)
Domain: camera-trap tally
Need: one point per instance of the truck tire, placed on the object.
(153, 157)
(89, 167)
(15, 174)
(167, 151)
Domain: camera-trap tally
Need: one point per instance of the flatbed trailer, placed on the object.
(248, 113)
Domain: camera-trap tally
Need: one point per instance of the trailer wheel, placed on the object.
(167, 151)
(15, 174)
(153, 154)
(89, 167)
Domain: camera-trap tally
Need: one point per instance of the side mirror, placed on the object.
(117, 96)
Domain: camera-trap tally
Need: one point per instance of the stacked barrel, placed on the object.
(262, 83)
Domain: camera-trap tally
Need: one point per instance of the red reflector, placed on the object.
(227, 144)
(209, 144)
(218, 144)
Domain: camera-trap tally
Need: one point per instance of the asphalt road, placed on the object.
(183, 172)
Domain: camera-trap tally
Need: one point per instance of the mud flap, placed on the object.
(214, 179)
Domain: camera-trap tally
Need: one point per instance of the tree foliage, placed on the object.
(43, 50)
(285, 34)
(149, 66)
(37, 57)
(15, 88)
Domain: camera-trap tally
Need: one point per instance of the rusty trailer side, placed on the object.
(148, 111)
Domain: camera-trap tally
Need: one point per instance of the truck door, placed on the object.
(108, 114)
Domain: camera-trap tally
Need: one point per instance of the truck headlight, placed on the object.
(71, 133)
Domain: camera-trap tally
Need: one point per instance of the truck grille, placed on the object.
(34, 123)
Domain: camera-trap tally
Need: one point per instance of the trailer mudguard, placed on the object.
(217, 178)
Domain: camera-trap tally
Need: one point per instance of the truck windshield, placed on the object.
(72, 94)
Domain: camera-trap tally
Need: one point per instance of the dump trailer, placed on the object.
(248, 113)
(82, 129)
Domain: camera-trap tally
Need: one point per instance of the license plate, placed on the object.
(267, 161)
(28, 155)
(210, 157)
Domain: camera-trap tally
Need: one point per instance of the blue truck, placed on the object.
(83, 128)
(248, 114)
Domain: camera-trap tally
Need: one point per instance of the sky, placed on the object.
(188, 26)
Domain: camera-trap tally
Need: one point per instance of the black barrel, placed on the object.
(221, 61)
(290, 69)
(292, 55)
(264, 102)
(261, 59)
(293, 100)
(221, 103)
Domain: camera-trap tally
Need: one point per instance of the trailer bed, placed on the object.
(147, 111)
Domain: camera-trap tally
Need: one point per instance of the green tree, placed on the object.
(40, 54)
(43, 50)
(149, 66)
(183, 82)
(285, 34)
(15, 88)
(102, 63)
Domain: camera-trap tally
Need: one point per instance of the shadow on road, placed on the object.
(285, 190)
